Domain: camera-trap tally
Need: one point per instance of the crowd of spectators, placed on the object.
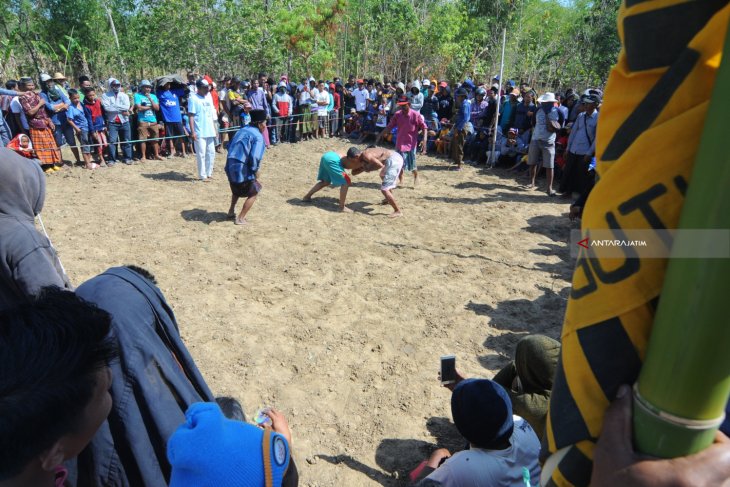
(554, 132)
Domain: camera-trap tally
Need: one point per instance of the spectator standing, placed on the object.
(323, 101)
(40, 127)
(409, 123)
(314, 107)
(56, 105)
(202, 130)
(416, 99)
(169, 101)
(543, 141)
(257, 97)
(581, 149)
(19, 123)
(334, 108)
(281, 106)
(446, 103)
(146, 104)
(361, 95)
(76, 118)
(116, 107)
(525, 115)
(60, 81)
(305, 110)
(339, 108)
(429, 110)
(463, 115)
(95, 120)
(508, 112)
(84, 84)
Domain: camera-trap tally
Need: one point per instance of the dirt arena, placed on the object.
(336, 319)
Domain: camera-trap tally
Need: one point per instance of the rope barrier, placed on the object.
(224, 131)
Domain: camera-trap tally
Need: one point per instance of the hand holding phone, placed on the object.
(448, 369)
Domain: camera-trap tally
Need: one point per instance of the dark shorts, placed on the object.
(246, 189)
(174, 129)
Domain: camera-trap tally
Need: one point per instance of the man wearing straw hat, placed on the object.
(60, 80)
(543, 141)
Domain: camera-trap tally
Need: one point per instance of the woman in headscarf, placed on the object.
(41, 127)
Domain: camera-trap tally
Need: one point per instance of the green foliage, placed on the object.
(550, 42)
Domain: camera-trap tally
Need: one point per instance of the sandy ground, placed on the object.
(338, 320)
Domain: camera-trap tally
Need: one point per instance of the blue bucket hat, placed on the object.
(209, 449)
(482, 412)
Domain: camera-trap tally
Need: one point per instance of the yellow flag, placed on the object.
(650, 127)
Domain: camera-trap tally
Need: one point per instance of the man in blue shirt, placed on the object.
(170, 109)
(581, 148)
(460, 127)
(245, 152)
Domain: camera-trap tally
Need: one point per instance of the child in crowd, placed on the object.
(95, 120)
(352, 123)
(62, 346)
(186, 145)
(76, 118)
(443, 141)
(22, 144)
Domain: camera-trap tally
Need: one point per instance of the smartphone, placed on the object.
(448, 369)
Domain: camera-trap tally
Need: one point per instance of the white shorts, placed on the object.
(390, 172)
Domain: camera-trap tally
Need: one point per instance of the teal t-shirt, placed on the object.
(147, 115)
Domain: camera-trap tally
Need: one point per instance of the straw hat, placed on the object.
(58, 77)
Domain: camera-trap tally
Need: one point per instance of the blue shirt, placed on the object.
(58, 118)
(170, 105)
(582, 138)
(541, 132)
(245, 152)
(78, 117)
(463, 115)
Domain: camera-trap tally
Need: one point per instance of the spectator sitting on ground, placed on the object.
(503, 449)
(443, 142)
(512, 148)
(528, 379)
(210, 449)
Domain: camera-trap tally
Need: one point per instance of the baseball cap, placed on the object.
(145, 82)
(45, 77)
(202, 82)
(425, 82)
(209, 449)
(403, 100)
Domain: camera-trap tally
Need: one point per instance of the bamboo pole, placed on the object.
(684, 384)
(492, 162)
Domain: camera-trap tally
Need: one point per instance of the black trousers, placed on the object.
(575, 174)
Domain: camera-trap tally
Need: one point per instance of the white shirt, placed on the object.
(361, 99)
(494, 468)
(314, 93)
(323, 96)
(15, 107)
